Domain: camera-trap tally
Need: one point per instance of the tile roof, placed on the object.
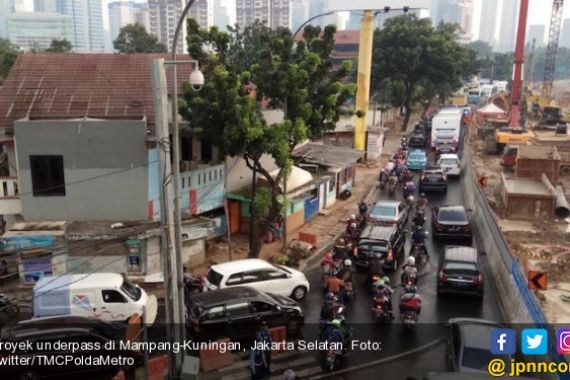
(68, 86)
(341, 37)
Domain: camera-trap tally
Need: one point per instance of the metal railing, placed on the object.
(8, 187)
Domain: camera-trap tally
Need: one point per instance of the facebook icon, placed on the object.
(503, 342)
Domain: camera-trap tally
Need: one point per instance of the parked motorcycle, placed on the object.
(8, 308)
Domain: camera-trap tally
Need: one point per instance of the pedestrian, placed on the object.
(264, 336)
(259, 365)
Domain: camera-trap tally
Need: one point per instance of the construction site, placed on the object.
(520, 149)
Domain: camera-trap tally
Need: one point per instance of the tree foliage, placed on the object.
(59, 46)
(413, 62)
(134, 38)
(243, 68)
(8, 55)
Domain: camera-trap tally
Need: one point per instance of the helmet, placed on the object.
(352, 225)
(386, 280)
(328, 256)
(347, 262)
(330, 296)
(336, 322)
(419, 228)
(340, 241)
(420, 212)
(411, 198)
(423, 195)
(352, 216)
(411, 260)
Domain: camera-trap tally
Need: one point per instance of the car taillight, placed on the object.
(442, 276)
(390, 255)
(478, 280)
(355, 251)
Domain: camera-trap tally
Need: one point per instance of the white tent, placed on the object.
(491, 109)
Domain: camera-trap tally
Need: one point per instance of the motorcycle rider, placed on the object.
(411, 301)
(340, 250)
(404, 143)
(419, 238)
(330, 306)
(420, 218)
(362, 208)
(383, 294)
(410, 271)
(409, 189)
(421, 202)
(345, 273)
(335, 285)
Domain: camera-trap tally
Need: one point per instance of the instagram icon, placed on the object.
(563, 341)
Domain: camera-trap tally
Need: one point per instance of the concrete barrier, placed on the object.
(214, 359)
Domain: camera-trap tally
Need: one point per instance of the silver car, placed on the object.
(389, 212)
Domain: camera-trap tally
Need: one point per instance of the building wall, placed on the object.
(121, 13)
(248, 11)
(105, 169)
(203, 12)
(87, 16)
(240, 176)
(509, 21)
(164, 15)
(6, 8)
(488, 22)
(37, 30)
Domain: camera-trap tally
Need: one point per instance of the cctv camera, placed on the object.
(196, 80)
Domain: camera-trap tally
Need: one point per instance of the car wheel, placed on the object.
(29, 375)
(299, 293)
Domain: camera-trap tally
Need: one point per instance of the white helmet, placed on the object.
(347, 262)
(411, 260)
(352, 216)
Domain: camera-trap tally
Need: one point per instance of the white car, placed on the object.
(260, 275)
(450, 163)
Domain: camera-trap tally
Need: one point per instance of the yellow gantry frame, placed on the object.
(363, 80)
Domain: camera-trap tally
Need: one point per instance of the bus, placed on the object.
(446, 127)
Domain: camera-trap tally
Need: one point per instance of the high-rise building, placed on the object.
(274, 13)
(488, 22)
(317, 7)
(299, 13)
(536, 32)
(280, 13)
(221, 15)
(87, 18)
(123, 13)
(164, 15)
(444, 10)
(37, 29)
(6, 8)
(509, 20)
(203, 12)
(565, 34)
(465, 19)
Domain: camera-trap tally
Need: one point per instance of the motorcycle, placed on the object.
(380, 310)
(409, 318)
(336, 348)
(8, 308)
(410, 308)
(392, 184)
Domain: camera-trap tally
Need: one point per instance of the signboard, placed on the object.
(36, 268)
(356, 5)
(537, 280)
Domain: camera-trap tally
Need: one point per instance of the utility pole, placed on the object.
(363, 80)
(166, 210)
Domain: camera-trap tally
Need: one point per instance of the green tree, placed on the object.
(481, 48)
(59, 46)
(8, 55)
(133, 38)
(413, 62)
(289, 76)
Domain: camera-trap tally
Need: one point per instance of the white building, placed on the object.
(487, 26)
(299, 13)
(274, 13)
(164, 15)
(565, 34)
(508, 29)
(203, 12)
(29, 30)
(465, 16)
(6, 8)
(221, 15)
(122, 13)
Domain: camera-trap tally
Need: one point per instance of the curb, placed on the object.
(317, 255)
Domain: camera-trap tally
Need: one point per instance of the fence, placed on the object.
(517, 303)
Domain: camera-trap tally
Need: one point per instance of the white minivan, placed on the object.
(258, 274)
(106, 296)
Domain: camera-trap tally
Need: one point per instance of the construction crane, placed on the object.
(514, 121)
(552, 48)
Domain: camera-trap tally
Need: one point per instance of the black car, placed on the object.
(235, 313)
(61, 352)
(378, 239)
(417, 140)
(109, 330)
(434, 179)
(451, 222)
(460, 272)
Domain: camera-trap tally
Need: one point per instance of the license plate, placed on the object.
(453, 229)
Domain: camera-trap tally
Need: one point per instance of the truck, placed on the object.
(446, 127)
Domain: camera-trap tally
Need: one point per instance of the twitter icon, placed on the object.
(534, 341)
